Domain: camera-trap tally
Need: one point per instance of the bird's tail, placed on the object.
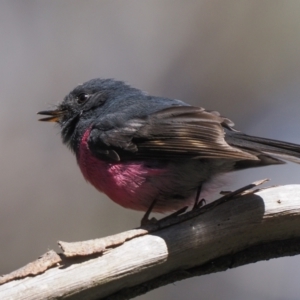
(267, 150)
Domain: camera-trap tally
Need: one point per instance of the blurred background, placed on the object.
(241, 58)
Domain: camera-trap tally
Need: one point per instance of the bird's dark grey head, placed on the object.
(107, 102)
(80, 106)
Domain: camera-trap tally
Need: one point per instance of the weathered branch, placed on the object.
(243, 230)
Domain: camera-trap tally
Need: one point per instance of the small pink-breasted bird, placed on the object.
(141, 150)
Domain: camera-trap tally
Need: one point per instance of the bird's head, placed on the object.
(84, 104)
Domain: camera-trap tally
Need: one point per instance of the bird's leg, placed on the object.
(198, 202)
(145, 220)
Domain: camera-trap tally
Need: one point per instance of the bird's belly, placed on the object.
(136, 184)
(131, 185)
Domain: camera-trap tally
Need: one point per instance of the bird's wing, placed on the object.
(172, 133)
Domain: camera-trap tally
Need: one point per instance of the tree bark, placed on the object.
(256, 226)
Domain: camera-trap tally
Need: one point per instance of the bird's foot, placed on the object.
(146, 221)
(199, 204)
(153, 221)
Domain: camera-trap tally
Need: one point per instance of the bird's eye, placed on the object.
(81, 98)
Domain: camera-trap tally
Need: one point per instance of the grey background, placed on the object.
(239, 57)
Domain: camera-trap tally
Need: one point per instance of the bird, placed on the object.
(155, 154)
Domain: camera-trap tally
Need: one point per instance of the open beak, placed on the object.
(54, 115)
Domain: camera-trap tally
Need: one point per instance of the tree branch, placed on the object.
(243, 230)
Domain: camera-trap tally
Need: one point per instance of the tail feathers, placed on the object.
(271, 148)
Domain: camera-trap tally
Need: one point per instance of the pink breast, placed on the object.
(127, 183)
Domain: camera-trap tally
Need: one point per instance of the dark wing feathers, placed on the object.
(273, 148)
(170, 133)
